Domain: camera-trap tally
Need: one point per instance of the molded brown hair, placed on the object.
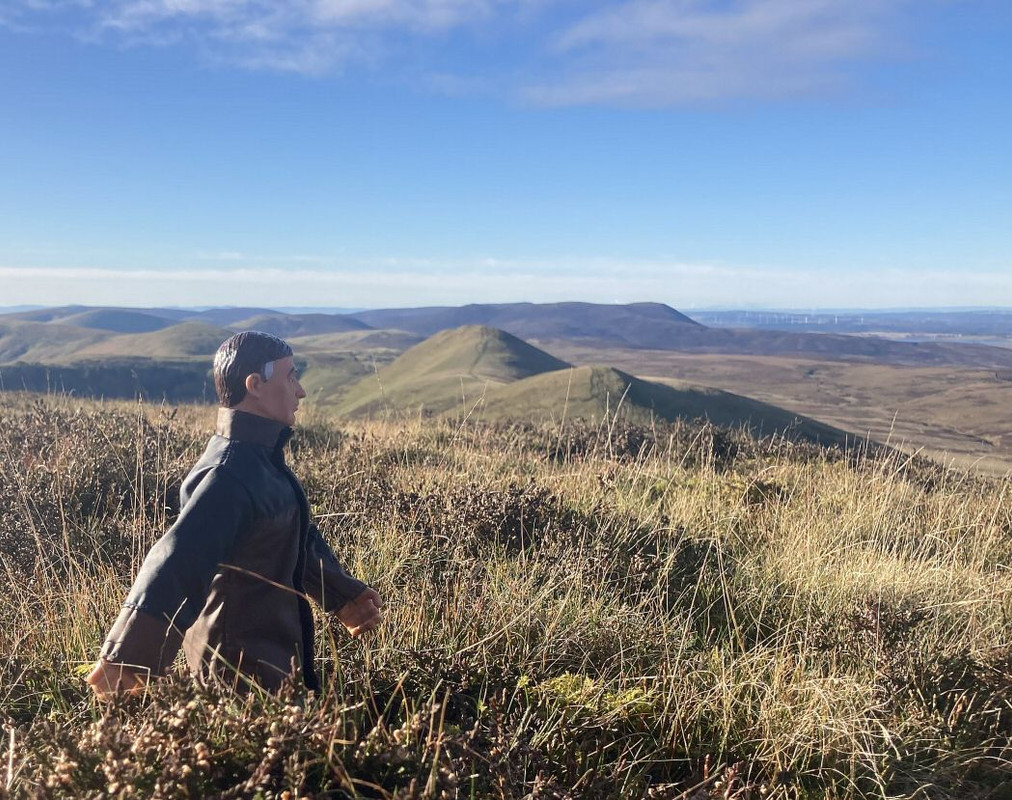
(239, 356)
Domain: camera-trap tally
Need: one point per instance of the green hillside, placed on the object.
(172, 381)
(289, 325)
(42, 342)
(118, 320)
(227, 315)
(185, 340)
(327, 376)
(357, 341)
(449, 368)
(592, 393)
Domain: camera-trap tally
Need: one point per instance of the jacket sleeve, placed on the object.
(175, 578)
(325, 580)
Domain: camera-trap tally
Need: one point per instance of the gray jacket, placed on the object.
(228, 581)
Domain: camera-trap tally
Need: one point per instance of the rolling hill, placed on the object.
(631, 323)
(41, 342)
(291, 325)
(227, 316)
(48, 314)
(499, 376)
(114, 318)
(597, 393)
(172, 381)
(180, 341)
(117, 320)
(655, 326)
(554, 326)
(365, 342)
(447, 368)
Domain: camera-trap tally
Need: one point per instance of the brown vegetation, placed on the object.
(677, 611)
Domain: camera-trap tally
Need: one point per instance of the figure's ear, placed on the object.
(253, 382)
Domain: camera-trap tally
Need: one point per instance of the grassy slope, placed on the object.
(327, 376)
(41, 342)
(358, 341)
(453, 364)
(183, 340)
(226, 317)
(118, 320)
(570, 612)
(593, 393)
(170, 363)
(289, 325)
(948, 413)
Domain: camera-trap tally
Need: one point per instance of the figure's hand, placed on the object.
(361, 614)
(108, 679)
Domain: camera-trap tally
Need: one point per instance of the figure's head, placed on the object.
(256, 372)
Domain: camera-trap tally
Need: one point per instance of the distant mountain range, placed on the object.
(488, 362)
(938, 322)
(651, 326)
(654, 326)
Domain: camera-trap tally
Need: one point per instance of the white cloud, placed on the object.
(416, 282)
(306, 36)
(617, 52)
(664, 52)
(313, 37)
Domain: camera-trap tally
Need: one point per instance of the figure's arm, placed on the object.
(173, 584)
(337, 592)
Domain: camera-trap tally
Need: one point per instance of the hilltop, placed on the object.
(446, 369)
(498, 377)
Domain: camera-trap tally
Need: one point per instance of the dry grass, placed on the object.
(676, 612)
(959, 414)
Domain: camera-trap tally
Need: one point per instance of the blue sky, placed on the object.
(778, 153)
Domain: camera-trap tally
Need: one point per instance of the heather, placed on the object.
(574, 610)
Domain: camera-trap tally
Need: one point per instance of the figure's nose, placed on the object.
(299, 391)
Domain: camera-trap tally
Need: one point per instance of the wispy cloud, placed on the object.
(615, 52)
(664, 52)
(414, 282)
(306, 36)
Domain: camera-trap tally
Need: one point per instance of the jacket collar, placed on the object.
(241, 426)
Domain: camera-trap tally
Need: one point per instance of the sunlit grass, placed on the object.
(579, 611)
